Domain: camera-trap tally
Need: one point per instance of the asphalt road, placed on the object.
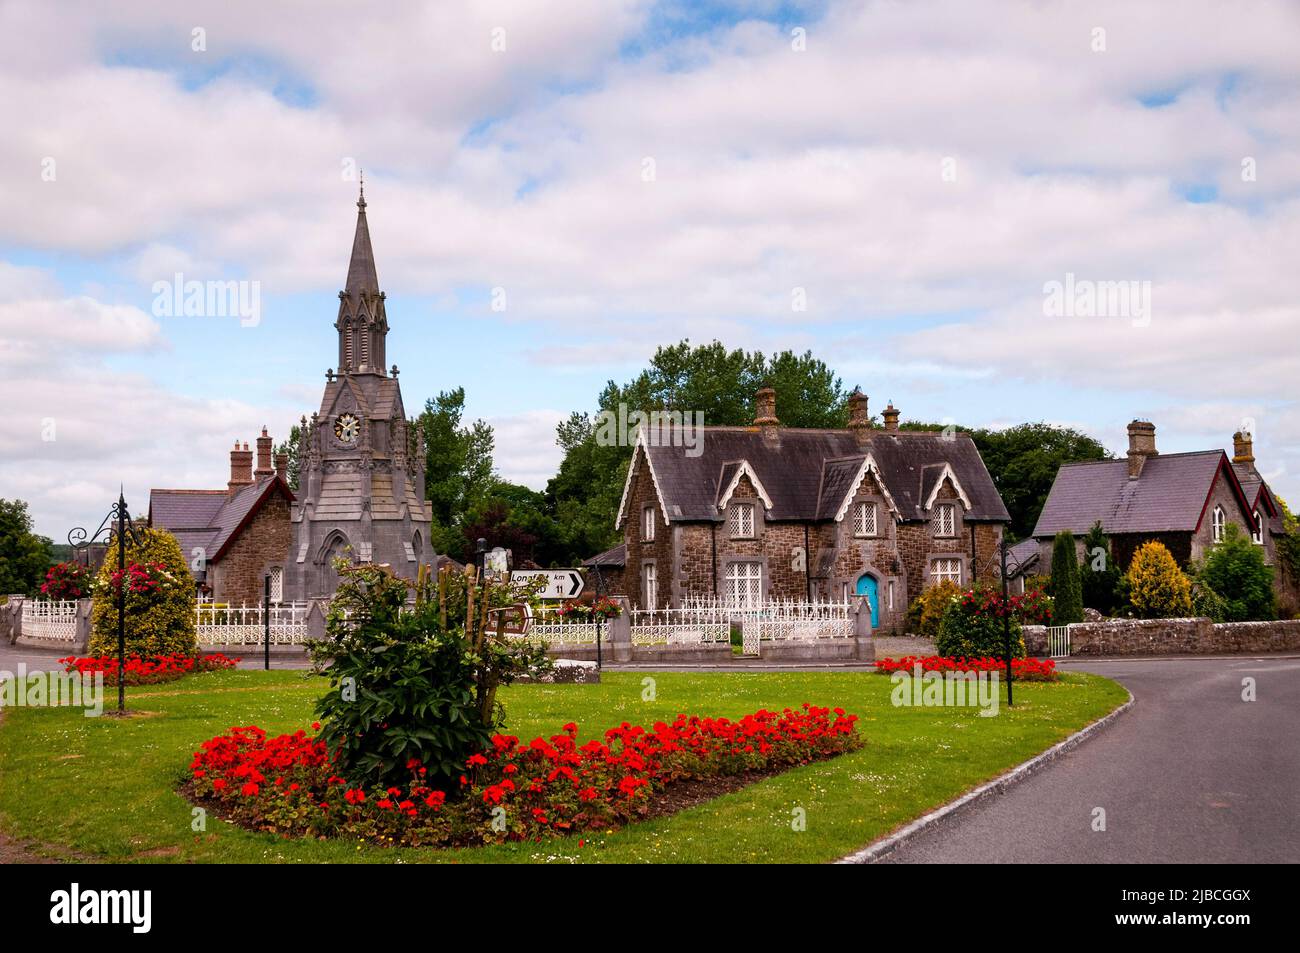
(1190, 774)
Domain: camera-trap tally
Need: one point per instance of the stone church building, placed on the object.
(768, 512)
(360, 479)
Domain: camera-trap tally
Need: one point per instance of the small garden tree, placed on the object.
(972, 626)
(1236, 571)
(415, 685)
(1065, 580)
(1098, 574)
(1157, 588)
(926, 611)
(159, 598)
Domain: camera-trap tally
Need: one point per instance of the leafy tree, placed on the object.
(1157, 588)
(24, 556)
(1066, 588)
(516, 518)
(458, 465)
(293, 448)
(1098, 574)
(160, 614)
(1235, 570)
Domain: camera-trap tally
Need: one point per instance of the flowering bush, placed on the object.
(66, 581)
(148, 671)
(159, 595)
(1022, 669)
(598, 610)
(513, 790)
(972, 625)
(140, 579)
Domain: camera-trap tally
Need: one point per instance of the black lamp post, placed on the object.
(480, 556)
(600, 628)
(78, 539)
(1001, 568)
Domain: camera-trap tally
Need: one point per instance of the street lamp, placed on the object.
(1001, 568)
(78, 539)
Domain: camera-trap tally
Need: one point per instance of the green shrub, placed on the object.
(1207, 603)
(160, 617)
(1157, 588)
(1235, 569)
(972, 626)
(1065, 580)
(1098, 574)
(414, 685)
(925, 613)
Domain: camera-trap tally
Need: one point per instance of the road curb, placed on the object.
(887, 845)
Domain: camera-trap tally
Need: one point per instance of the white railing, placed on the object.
(1058, 641)
(804, 621)
(54, 620)
(218, 624)
(695, 623)
(565, 633)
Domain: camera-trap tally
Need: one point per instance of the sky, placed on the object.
(986, 213)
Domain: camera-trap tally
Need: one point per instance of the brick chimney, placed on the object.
(241, 468)
(859, 420)
(1141, 445)
(1243, 448)
(263, 456)
(282, 466)
(890, 414)
(765, 415)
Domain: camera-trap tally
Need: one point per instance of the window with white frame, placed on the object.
(864, 519)
(945, 569)
(890, 590)
(1258, 534)
(943, 521)
(648, 523)
(740, 521)
(648, 588)
(1217, 521)
(844, 592)
(744, 585)
(277, 584)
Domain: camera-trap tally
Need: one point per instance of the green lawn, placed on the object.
(104, 788)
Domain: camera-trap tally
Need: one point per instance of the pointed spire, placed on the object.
(361, 268)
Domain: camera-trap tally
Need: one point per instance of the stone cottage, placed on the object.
(233, 538)
(1183, 500)
(766, 512)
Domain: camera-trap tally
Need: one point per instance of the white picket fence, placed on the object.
(1058, 641)
(218, 624)
(50, 620)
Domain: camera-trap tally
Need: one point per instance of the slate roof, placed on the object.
(1169, 496)
(614, 557)
(1022, 558)
(811, 472)
(209, 519)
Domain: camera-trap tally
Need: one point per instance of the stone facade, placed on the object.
(263, 545)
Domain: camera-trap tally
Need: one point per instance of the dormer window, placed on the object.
(864, 519)
(943, 521)
(648, 524)
(1258, 534)
(740, 521)
(1217, 521)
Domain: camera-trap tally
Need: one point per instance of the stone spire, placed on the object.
(362, 322)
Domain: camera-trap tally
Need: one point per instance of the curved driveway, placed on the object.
(1190, 774)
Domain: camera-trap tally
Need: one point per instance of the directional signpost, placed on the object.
(560, 583)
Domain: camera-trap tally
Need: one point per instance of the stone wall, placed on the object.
(264, 543)
(1123, 637)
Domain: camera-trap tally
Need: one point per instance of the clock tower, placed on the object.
(361, 462)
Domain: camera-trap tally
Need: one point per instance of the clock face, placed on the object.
(347, 428)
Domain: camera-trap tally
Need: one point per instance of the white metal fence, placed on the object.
(219, 624)
(50, 620)
(1058, 641)
(695, 623)
(565, 633)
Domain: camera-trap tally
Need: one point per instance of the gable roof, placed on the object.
(1022, 558)
(211, 520)
(809, 474)
(1169, 496)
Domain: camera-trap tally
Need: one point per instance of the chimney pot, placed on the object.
(1141, 445)
(859, 420)
(241, 469)
(890, 414)
(765, 414)
(282, 466)
(264, 445)
(1243, 447)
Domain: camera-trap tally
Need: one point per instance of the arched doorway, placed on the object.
(867, 586)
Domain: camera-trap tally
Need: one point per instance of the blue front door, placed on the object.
(867, 586)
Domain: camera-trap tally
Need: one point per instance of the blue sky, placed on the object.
(628, 174)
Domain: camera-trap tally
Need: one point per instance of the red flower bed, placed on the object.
(147, 671)
(546, 787)
(1022, 669)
